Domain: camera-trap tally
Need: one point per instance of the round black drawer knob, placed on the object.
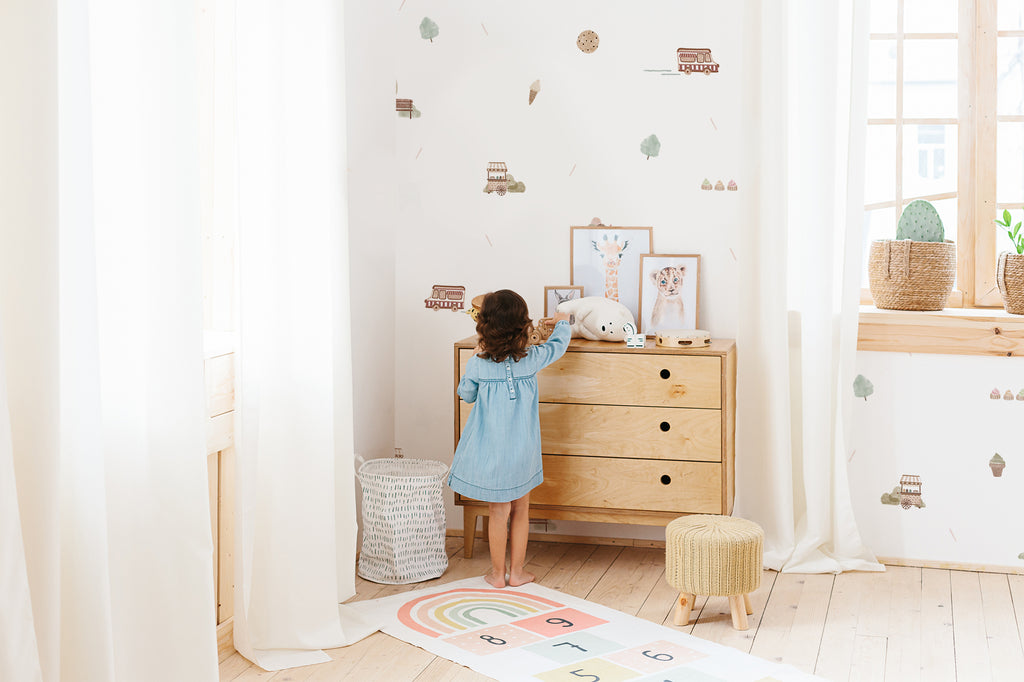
(665, 426)
(665, 374)
(666, 479)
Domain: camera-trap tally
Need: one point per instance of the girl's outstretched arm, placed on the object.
(555, 346)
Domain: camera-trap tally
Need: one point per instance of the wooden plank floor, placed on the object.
(907, 624)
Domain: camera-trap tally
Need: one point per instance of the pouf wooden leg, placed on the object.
(739, 612)
(683, 605)
(746, 603)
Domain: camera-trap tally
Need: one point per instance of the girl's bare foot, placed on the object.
(494, 579)
(520, 578)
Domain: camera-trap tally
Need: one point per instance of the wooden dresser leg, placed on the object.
(739, 612)
(747, 604)
(683, 605)
(468, 530)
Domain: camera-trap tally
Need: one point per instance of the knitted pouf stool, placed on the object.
(716, 556)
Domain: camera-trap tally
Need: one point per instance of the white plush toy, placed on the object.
(597, 318)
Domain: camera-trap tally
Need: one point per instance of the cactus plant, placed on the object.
(921, 223)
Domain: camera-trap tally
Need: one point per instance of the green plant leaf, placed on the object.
(1006, 216)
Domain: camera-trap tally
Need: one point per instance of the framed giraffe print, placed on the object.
(605, 261)
(555, 295)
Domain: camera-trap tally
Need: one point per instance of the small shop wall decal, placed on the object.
(500, 181)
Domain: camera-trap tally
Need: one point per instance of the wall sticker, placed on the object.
(650, 146)
(997, 464)
(500, 181)
(690, 60)
(534, 89)
(696, 59)
(428, 29)
(907, 494)
(995, 394)
(1008, 395)
(587, 41)
(406, 108)
(446, 297)
(862, 388)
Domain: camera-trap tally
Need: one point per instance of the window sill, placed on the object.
(953, 331)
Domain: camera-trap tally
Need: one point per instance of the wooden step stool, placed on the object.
(716, 556)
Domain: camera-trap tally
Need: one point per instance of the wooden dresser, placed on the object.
(629, 435)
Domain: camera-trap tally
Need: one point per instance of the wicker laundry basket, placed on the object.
(909, 275)
(403, 520)
(1010, 278)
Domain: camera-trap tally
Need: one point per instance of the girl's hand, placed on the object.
(559, 317)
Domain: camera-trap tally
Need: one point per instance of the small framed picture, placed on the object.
(555, 295)
(605, 261)
(669, 292)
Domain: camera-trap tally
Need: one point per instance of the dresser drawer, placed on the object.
(635, 432)
(647, 485)
(619, 431)
(626, 379)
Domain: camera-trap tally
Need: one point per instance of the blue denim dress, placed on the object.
(498, 457)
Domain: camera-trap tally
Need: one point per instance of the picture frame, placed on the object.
(606, 260)
(665, 304)
(553, 295)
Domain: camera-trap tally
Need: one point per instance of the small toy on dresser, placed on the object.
(682, 338)
(597, 318)
(634, 340)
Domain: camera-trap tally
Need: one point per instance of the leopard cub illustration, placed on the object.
(668, 308)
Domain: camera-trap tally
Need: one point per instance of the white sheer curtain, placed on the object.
(106, 569)
(295, 516)
(800, 282)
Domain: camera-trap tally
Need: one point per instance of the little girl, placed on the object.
(498, 457)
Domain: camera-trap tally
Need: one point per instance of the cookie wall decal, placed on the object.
(587, 41)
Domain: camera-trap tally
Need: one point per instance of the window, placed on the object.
(946, 124)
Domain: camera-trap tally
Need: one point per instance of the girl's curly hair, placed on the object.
(503, 326)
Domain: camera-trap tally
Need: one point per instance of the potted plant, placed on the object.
(916, 270)
(1010, 269)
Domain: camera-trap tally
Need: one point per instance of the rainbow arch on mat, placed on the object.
(444, 613)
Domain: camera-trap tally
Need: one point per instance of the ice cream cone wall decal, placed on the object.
(534, 89)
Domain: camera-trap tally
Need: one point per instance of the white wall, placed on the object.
(931, 416)
(419, 217)
(576, 148)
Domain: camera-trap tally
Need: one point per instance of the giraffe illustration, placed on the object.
(611, 251)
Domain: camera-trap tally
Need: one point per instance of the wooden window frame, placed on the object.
(974, 322)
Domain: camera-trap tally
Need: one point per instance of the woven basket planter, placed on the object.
(909, 275)
(1010, 278)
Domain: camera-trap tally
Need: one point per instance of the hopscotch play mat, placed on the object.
(536, 633)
